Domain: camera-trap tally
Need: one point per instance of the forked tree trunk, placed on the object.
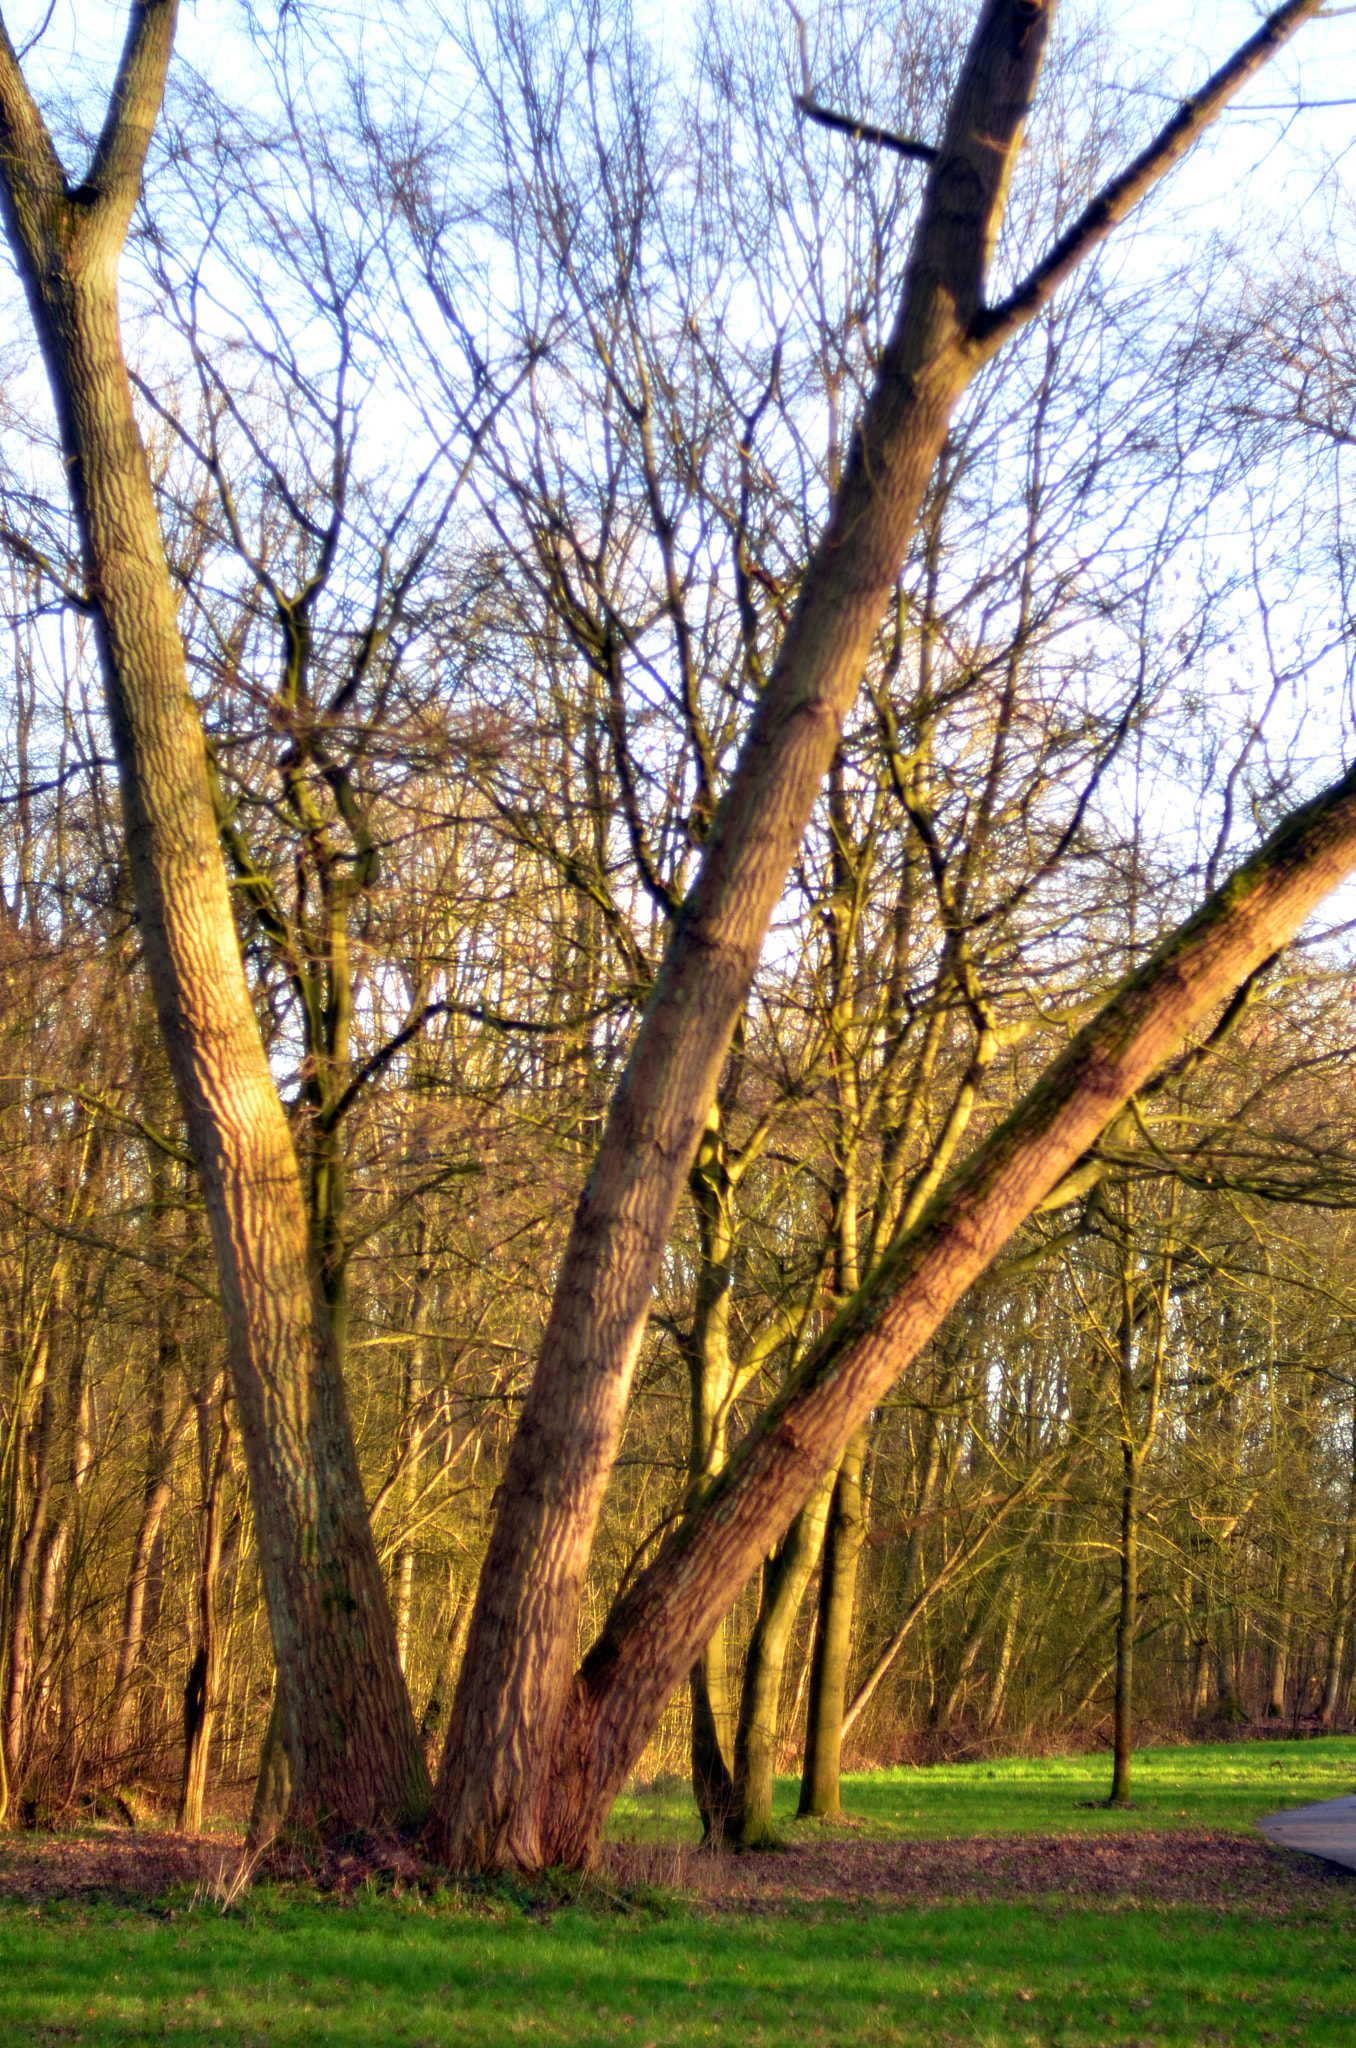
(346, 1717)
(514, 1786)
(843, 1538)
(785, 1578)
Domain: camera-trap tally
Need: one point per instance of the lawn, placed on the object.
(291, 1967)
(1215, 1785)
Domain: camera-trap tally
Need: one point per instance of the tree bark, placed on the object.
(508, 1727)
(843, 1538)
(346, 1718)
(785, 1578)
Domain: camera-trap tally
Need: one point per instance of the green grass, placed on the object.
(388, 1971)
(296, 1969)
(1224, 1785)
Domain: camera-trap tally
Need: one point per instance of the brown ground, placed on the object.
(1183, 1867)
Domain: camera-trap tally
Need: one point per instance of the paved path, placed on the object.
(1327, 1830)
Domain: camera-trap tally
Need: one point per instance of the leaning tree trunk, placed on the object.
(346, 1719)
(671, 1608)
(510, 1770)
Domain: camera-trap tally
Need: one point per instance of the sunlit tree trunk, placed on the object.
(345, 1714)
(785, 1578)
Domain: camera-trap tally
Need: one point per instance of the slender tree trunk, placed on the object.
(1341, 1605)
(1280, 1649)
(843, 1538)
(164, 1449)
(1002, 1670)
(785, 1578)
(345, 1714)
(42, 1451)
(1125, 1627)
(440, 1692)
(945, 1711)
(203, 1686)
(711, 1378)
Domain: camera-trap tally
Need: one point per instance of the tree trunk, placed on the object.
(1280, 1649)
(497, 1783)
(203, 1686)
(345, 1714)
(440, 1692)
(843, 1538)
(156, 1499)
(1341, 1605)
(1125, 1627)
(1001, 1674)
(785, 1577)
(42, 1453)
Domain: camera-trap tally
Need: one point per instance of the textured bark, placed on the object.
(509, 1754)
(785, 1578)
(671, 1609)
(844, 1534)
(346, 1717)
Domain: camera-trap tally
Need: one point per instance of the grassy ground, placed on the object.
(1059, 1971)
(1216, 1785)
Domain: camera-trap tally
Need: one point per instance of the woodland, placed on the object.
(674, 1100)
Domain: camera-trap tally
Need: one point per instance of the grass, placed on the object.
(292, 1968)
(1216, 1785)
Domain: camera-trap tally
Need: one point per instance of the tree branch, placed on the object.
(995, 325)
(865, 131)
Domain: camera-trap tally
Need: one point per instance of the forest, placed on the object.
(677, 1088)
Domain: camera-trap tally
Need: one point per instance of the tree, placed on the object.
(507, 1795)
(349, 1731)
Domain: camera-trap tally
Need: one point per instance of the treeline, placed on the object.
(489, 430)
